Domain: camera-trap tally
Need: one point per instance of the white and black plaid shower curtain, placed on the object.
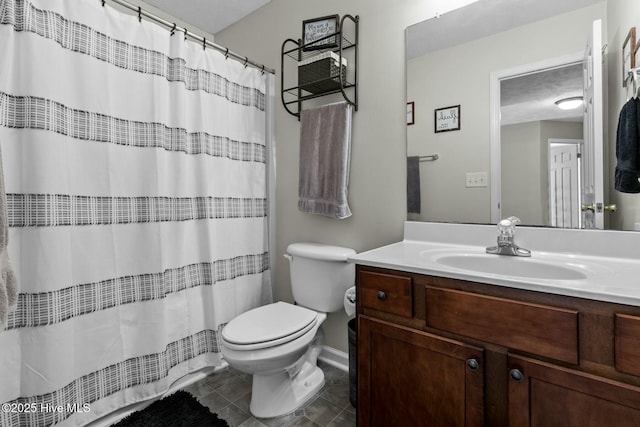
(135, 167)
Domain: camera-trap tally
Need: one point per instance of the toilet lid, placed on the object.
(270, 324)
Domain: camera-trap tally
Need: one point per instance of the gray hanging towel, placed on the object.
(325, 146)
(628, 148)
(413, 184)
(8, 291)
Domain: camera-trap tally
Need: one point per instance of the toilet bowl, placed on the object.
(279, 343)
(285, 374)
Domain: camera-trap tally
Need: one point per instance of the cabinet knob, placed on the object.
(382, 296)
(473, 364)
(516, 375)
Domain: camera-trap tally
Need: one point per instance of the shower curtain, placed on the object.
(136, 176)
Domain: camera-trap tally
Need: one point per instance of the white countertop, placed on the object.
(609, 261)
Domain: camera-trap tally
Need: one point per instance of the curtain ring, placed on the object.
(103, 3)
(185, 34)
(139, 14)
(173, 30)
(204, 43)
(226, 54)
(246, 59)
(263, 69)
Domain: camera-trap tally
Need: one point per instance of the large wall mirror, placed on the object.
(501, 67)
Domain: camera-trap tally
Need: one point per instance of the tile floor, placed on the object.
(228, 393)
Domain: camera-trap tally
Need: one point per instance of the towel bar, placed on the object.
(429, 158)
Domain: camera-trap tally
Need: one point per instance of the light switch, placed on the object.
(477, 179)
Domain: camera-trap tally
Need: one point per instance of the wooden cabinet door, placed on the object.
(546, 395)
(411, 378)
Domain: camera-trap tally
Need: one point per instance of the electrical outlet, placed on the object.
(477, 179)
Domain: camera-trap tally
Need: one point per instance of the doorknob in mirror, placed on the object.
(599, 207)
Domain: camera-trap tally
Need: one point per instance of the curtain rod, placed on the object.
(172, 26)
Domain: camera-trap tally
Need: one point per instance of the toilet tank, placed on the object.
(320, 275)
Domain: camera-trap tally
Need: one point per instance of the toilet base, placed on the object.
(278, 394)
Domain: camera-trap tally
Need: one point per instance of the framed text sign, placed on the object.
(319, 29)
(447, 118)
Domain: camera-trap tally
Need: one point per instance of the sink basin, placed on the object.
(510, 266)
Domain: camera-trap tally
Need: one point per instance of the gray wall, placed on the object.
(377, 190)
(625, 14)
(525, 158)
(521, 169)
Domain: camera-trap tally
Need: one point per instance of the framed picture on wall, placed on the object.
(411, 115)
(628, 55)
(447, 119)
(319, 29)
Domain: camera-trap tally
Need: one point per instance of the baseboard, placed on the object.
(336, 358)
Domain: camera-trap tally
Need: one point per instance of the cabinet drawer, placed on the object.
(627, 344)
(539, 329)
(385, 292)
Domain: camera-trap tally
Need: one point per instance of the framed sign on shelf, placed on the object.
(628, 55)
(319, 29)
(411, 115)
(447, 119)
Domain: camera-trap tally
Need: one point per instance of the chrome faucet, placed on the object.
(506, 244)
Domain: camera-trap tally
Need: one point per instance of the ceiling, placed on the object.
(481, 19)
(532, 97)
(211, 16)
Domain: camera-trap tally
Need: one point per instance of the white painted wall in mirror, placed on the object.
(460, 75)
(626, 14)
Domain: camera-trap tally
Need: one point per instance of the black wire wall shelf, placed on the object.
(320, 71)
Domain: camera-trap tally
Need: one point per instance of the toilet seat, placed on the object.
(267, 326)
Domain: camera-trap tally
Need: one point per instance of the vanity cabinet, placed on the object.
(434, 351)
(543, 394)
(413, 378)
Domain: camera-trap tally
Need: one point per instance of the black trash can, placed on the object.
(353, 375)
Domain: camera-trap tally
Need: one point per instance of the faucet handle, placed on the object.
(506, 244)
(514, 220)
(507, 226)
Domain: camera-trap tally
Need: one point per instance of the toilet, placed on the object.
(279, 343)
